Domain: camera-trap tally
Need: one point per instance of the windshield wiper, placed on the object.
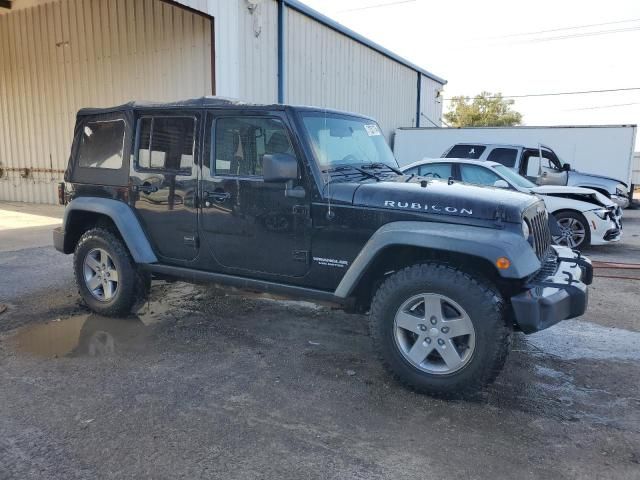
(344, 168)
(382, 165)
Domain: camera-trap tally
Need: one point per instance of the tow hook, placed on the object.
(569, 275)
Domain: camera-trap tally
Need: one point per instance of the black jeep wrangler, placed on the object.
(309, 203)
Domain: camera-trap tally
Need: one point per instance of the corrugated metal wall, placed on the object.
(327, 68)
(227, 20)
(60, 56)
(430, 103)
(259, 52)
(246, 47)
(635, 178)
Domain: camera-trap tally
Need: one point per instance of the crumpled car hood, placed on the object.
(578, 193)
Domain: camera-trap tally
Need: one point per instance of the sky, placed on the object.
(516, 48)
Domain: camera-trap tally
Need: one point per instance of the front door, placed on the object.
(164, 181)
(543, 168)
(248, 225)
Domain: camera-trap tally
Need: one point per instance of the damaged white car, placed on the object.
(585, 217)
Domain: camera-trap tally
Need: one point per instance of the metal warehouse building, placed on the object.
(57, 56)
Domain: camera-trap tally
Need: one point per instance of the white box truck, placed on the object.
(604, 150)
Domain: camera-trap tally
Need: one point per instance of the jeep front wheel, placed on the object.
(106, 275)
(439, 330)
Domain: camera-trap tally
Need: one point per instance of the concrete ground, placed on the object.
(203, 384)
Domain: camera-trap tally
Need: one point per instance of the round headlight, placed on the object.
(525, 229)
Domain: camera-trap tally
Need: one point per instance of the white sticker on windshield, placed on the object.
(372, 130)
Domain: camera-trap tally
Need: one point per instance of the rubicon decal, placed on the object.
(425, 206)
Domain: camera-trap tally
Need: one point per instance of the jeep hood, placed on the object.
(577, 193)
(406, 193)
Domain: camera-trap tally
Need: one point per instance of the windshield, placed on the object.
(342, 140)
(513, 177)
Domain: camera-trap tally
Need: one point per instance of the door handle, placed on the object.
(217, 196)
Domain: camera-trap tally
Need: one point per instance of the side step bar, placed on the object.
(199, 276)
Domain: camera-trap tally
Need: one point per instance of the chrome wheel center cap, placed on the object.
(433, 331)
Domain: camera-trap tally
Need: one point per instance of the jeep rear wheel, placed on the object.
(440, 331)
(106, 275)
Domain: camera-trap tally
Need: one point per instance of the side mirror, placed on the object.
(279, 167)
(501, 184)
(566, 167)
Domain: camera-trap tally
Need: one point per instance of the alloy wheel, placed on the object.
(573, 233)
(100, 274)
(434, 333)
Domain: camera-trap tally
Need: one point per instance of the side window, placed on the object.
(550, 161)
(166, 143)
(102, 145)
(412, 171)
(478, 175)
(241, 142)
(436, 170)
(533, 166)
(472, 152)
(505, 156)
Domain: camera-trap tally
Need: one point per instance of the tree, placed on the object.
(485, 110)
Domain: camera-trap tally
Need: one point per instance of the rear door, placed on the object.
(164, 180)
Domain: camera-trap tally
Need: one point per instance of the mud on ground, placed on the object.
(206, 384)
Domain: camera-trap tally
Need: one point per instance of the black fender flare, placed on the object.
(124, 219)
(486, 243)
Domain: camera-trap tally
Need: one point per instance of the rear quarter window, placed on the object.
(472, 152)
(102, 145)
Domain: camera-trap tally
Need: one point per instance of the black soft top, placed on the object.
(203, 102)
(188, 103)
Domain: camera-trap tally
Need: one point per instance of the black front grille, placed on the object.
(538, 221)
(549, 267)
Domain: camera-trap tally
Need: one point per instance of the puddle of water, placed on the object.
(575, 339)
(91, 335)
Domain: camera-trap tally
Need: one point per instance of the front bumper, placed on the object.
(620, 200)
(605, 230)
(558, 292)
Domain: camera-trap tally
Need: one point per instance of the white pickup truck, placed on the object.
(597, 157)
(542, 166)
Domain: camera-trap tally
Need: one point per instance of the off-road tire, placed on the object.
(133, 286)
(484, 306)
